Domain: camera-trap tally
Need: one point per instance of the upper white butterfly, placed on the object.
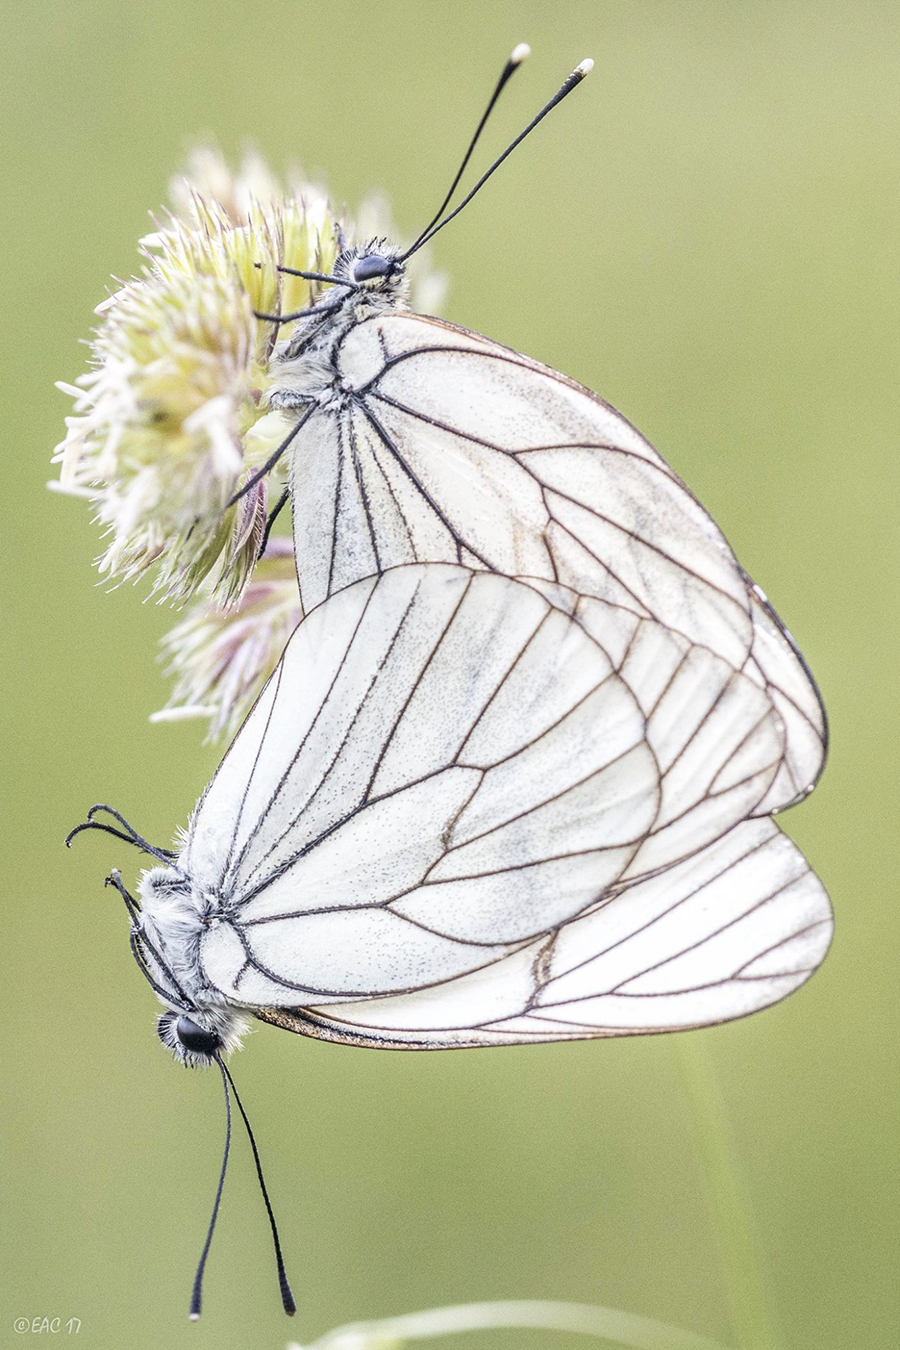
(419, 441)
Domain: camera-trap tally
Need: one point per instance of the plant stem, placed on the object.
(726, 1193)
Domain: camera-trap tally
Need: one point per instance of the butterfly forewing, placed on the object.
(450, 772)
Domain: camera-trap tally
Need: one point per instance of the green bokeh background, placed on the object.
(708, 234)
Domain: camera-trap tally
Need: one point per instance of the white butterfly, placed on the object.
(430, 443)
(470, 810)
(419, 441)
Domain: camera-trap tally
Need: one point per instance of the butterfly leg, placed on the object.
(273, 516)
(273, 458)
(115, 879)
(326, 308)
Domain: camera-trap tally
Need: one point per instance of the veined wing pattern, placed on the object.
(469, 809)
(445, 446)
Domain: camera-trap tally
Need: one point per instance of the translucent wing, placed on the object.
(731, 930)
(445, 446)
(451, 771)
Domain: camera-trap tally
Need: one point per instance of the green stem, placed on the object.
(726, 1193)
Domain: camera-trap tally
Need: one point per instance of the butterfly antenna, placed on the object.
(517, 56)
(578, 74)
(197, 1291)
(287, 1297)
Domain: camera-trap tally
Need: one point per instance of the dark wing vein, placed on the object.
(285, 775)
(324, 776)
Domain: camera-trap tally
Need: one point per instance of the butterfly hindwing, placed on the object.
(731, 930)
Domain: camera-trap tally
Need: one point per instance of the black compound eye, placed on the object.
(195, 1038)
(366, 269)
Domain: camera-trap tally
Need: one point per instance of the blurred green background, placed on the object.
(707, 233)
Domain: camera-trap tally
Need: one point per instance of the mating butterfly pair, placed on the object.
(513, 779)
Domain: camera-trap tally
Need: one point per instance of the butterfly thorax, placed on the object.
(304, 366)
(172, 923)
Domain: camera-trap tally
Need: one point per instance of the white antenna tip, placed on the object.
(584, 68)
(520, 54)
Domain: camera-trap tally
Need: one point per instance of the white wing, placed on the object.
(735, 928)
(446, 777)
(445, 446)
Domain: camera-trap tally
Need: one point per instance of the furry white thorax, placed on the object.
(174, 917)
(303, 366)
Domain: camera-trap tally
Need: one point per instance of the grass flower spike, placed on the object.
(220, 658)
(172, 419)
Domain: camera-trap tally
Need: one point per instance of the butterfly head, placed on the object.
(376, 268)
(197, 1038)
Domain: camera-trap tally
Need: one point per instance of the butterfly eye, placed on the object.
(196, 1038)
(366, 269)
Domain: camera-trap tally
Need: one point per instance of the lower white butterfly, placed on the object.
(472, 810)
(460, 816)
